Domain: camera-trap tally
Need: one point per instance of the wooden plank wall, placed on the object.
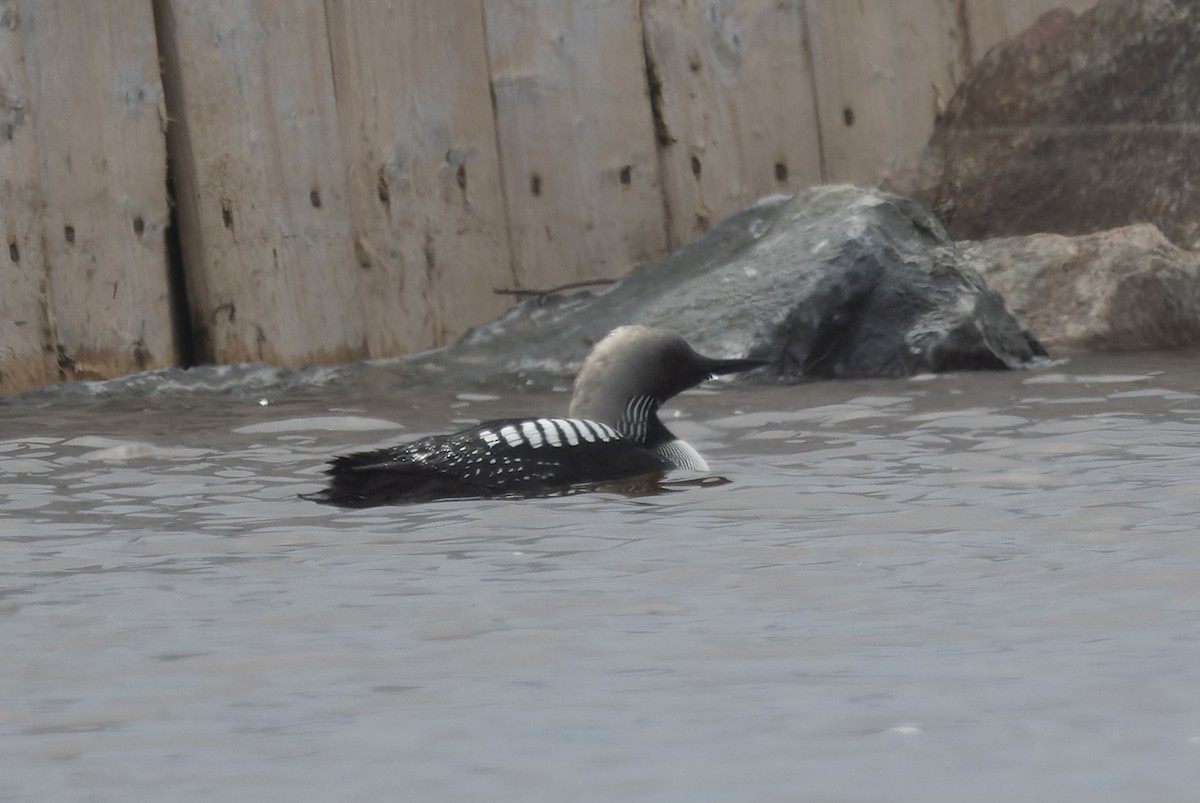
(576, 136)
(27, 354)
(263, 208)
(426, 204)
(84, 289)
(353, 180)
(737, 118)
(874, 114)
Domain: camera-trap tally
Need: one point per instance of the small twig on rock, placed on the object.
(549, 291)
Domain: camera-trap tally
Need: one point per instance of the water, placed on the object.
(973, 587)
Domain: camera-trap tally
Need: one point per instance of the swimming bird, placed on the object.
(612, 432)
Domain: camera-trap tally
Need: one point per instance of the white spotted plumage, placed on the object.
(489, 438)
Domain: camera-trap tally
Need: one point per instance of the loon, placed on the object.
(612, 433)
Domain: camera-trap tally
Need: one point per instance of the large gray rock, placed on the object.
(1119, 290)
(835, 282)
(1079, 124)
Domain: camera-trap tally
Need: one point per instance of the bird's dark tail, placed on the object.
(354, 485)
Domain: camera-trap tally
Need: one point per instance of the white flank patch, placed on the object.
(568, 429)
(488, 437)
(585, 429)
(552, 434)
(532, 434)
(605, 432)
(511, 435)
(571, 430)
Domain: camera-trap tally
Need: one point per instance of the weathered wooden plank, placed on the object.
(576, 138)
(424, 191)
(338, 173)
(883, 72)
(990, 22)
(26, 344)
(736, 113)
(261, 190)
(95, 103)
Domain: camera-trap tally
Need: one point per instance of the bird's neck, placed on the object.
(639, 422)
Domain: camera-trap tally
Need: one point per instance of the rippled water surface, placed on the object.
(972, 587)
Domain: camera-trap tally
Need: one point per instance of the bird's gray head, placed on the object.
(638, 362)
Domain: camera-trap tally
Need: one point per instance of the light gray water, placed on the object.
(965, 588)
